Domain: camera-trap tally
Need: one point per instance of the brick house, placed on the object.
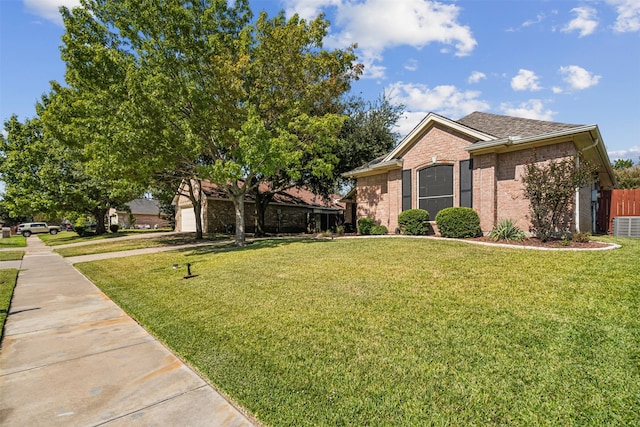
(476, 162)
(296, 210)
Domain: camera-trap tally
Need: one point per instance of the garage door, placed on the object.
(187, 220)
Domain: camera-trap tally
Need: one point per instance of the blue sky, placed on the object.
(559, 60)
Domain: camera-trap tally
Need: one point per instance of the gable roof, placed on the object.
(493, 132)
(429, 120)
(507, 126)
(144, 206)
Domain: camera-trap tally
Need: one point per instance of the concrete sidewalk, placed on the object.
(70, 356)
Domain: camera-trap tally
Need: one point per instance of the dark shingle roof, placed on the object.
(505, 126)
(144, 206)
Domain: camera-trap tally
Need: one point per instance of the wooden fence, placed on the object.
(614, 203)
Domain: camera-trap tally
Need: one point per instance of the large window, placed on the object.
(435, 188)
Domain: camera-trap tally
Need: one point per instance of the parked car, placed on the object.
(29, 228)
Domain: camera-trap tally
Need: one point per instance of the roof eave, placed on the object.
(374, 169)
(426, 122)
(513, 141)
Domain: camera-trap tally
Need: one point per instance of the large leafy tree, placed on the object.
(366, 133)
(202, 93)
(42, 174)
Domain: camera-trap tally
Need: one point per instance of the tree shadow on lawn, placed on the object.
(265, 243)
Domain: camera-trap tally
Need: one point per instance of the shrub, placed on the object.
(414, 222)
(551, 189)
(458, 222)
(114, 228)
(506, 230)
(365, 225)
(379, 230)
(581, 237)
(80, 226)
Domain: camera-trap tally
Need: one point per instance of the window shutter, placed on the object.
(406, 189)
(466, 183)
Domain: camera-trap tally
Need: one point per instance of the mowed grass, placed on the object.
(16, 241)
(11, 255)
(399, 331)
(8, 280)
(67, 237)
(142, 243)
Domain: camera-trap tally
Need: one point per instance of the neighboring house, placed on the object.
(140, 213)
(296, 210)
(477, 162)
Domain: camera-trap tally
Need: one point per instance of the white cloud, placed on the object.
(476, 76)
(632, 153)
(525, 80)
(528, 23)
(532, 109)
(557, 89)
(408, 121)
(446, 99)
(585, 22)
(628, 19)
(411, 65)
(376, 25)
(578, 78)
(49, 9)
(308, 9)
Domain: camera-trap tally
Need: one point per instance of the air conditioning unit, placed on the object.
(626, 226)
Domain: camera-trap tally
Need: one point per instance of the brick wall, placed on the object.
(372, 198)
(510, 200)
(497, 186)
(484, 189)
(380, 196)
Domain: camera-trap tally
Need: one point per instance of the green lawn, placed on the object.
(16, 241)
(7, 283)
(126, 245)
(11, 255)
(399, 331)
(66, 237)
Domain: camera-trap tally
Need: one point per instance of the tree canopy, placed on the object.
(202, 91)
(43, 174)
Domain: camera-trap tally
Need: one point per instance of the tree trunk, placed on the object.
(100, 213)
(262, 201)
(238, 204)
(195, 198)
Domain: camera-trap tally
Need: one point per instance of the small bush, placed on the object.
(114, 228)
(582, 237)
(414, 222)
(458, 222)
(365, 225)
(506, 230)
(379, 230)
(80, 226)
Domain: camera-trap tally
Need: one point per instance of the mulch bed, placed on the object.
(552, 243)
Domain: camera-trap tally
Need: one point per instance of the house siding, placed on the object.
(499, 194)
(372, 198)
(436, 143)
(496, 180)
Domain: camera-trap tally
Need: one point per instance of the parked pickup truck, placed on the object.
(29, 228)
